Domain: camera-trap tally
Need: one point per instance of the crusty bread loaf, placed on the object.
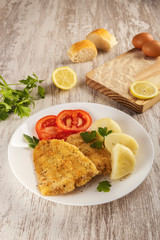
(82, 51)
(102, 39)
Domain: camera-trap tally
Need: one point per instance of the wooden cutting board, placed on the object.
(114, 78)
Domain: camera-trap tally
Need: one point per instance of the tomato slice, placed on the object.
(74, 120)
(47, 129)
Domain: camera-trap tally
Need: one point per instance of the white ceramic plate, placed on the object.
(20, 157)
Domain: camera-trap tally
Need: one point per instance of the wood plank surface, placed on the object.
(115, 77)
(35, 36)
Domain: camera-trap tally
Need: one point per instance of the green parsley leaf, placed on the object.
(37, 77)
(6, 94)
(22, 111)
(3, 114)
(104, 186)
(103, 131)
(41, 91)
(4, 110)
(97, 145)
(5, 105)
(88, 136)
(32, 142)
(109, 132)
(30, 82)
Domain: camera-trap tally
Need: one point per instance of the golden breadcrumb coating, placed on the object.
(61, 167)
(100, 157)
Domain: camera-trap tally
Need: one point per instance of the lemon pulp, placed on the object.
(143, 90)
(64, 78)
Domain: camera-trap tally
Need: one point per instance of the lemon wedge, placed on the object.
(122, 161)
(64, 78)
(143, 89)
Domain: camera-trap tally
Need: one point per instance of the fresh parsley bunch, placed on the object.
(18, 101)
(92, 136)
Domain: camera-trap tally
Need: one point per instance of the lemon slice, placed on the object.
(122, 161)
(143, 89)
(64, 78)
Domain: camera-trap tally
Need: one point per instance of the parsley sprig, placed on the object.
(91, 136)
(104, 186)
(18, 101)
(88, 136)
(32, 142)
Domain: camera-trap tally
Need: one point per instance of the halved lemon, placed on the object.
(143, 89)
(64, 78)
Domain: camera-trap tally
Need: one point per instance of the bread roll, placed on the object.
(82, 51)
(102, 39)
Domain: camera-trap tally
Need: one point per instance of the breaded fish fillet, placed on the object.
(60, 167)
(100, 157)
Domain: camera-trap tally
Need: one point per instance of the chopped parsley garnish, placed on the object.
(32, 142)
(103, 131)
(91, 136)
(88, 136)
(104, 186)
(19, 101)
(98, 145)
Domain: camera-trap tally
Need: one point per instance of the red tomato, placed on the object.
(73, 120)
(46, 129)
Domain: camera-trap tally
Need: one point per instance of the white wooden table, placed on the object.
(34, 37)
